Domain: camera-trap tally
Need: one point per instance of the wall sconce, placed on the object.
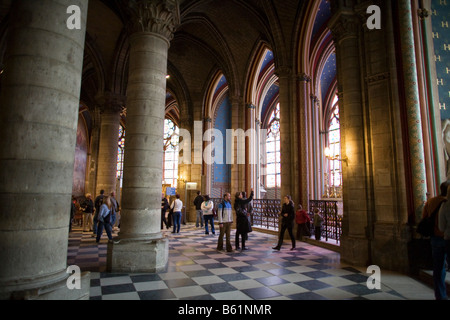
(327, 153)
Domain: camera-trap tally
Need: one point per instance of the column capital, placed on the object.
(304, 77)
(345, 26)
(157, 16)
(283, 71)
(110, 102)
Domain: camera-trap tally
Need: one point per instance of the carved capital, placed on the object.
(283, 71)
(346, 26)
(111, 102)
(157, 16)
(304, 77)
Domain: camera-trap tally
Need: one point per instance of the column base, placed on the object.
(57, 290)
(138, 255)
(390, 246)
(355, 251)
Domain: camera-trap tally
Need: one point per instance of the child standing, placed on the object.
(317, 220)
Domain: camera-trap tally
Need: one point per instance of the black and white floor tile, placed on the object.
(197, 271)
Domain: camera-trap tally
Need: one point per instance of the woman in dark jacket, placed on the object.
(242, 223)
(287, 222)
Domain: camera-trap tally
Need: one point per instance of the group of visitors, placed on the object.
(101, 213)
(174, 215)
(206, 213)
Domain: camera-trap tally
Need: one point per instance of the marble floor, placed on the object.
(196, 271)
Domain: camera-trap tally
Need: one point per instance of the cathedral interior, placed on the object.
(341, 104)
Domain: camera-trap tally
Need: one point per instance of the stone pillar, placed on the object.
(208, 166)
(39, 114)
(303, 148)
(141, 246)
(108, 142)
(91, 167)
(284, 75)
(345, 25)
(237, 182)
(250, 161)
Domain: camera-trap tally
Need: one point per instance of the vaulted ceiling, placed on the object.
(213, 35)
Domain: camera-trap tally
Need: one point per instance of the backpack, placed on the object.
(426, 225)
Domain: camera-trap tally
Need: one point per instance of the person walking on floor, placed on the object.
(287, 222)
(208, 216)
(225, 217)
(198, 207)
(104, 219)
(176, 205)
(243, 226)
(432, 208)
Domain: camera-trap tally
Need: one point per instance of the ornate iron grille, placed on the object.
(332, 224)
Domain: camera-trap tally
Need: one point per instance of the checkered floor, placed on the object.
(196, 271)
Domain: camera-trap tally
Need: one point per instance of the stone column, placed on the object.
(303, 149)
(142, 247)
(108, 142)
(39, 114)
(284, 75)
(345, 25)
(92, 167)
(250, 149)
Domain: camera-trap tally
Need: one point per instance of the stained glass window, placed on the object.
(273, 168)
(334, 145)
(171, 149)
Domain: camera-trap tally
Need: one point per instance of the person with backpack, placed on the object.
(208, 214)
(431, 209)
(225, 217)
(177, 206)
(198, 207)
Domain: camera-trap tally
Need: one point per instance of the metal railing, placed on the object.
(332, 220)
(266, 216)
(265, 213)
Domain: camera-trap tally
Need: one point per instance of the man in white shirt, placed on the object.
(176, 205)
